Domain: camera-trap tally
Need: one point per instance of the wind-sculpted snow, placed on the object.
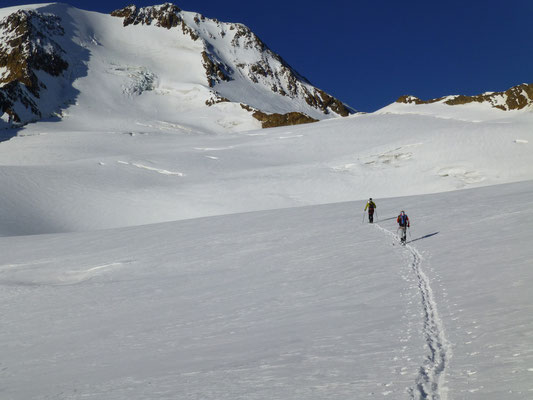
(43, 273)
(149, 168)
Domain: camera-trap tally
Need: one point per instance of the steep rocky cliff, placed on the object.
(27, 47)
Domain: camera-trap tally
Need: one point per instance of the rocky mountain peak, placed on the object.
(165, 16)
(264, 68)
(45, 49)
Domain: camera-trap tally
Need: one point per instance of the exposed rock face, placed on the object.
(215, 70)
(275, 119)
(27, 46)
(515, 98)
(264, 68)
(165, 16)
(280, 76)
(215, 99)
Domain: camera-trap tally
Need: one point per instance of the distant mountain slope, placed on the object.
(232, 52)
(516, 98)
(44, 49)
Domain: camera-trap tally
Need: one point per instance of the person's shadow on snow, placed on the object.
(387, 219)
(423, 237)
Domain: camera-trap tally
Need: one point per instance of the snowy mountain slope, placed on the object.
(57, 178)
(284, 304)
(234, 56)
(156, 63)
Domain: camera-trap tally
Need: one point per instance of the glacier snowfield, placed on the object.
(305, 302)
(169, 264)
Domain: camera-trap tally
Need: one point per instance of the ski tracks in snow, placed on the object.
(431, 375)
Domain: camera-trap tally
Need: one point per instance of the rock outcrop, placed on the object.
(275, 119)
(516, 98)
(27, 46)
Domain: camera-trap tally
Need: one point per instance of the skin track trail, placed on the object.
(430, 380)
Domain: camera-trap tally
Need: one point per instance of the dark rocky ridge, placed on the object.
(275, 119)
(29, 46)
(516, 98)
(165, 16)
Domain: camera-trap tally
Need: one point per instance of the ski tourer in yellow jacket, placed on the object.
(370, 206)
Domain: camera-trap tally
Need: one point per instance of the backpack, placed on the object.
(403, 220)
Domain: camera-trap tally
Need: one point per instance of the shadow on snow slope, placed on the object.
(423, 237)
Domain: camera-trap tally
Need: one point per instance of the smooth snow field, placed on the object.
(58, 179)
(298, 303)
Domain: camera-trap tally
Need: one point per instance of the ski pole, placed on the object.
(363, 217)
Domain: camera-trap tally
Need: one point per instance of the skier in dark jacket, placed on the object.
(403, 222)
(370, 205)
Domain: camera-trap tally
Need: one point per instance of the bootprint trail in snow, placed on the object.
(431, 375)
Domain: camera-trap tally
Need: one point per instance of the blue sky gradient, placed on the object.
(370, 53)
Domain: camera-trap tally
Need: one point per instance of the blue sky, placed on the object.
(369, 53)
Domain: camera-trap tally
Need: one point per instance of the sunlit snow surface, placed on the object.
(57, 179)
(297, 303)
(292, 303)
(154, 249)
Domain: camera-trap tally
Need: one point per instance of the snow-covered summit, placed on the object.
(232, 53)
(54, 55)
